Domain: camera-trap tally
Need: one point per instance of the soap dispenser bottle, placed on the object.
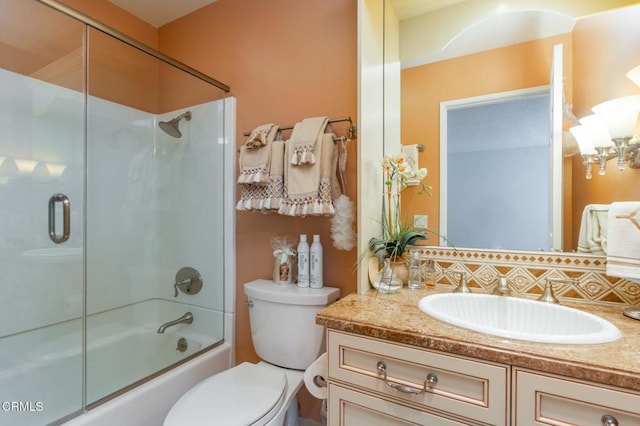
(303, 261)
(315, 263)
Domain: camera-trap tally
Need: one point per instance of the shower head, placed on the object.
(171, 127)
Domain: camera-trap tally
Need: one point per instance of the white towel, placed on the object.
(593, 229)
(623, 255)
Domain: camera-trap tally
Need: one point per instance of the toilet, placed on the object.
(287, 340)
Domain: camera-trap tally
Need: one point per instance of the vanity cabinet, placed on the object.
(353, 407)
(545, 399)
(376, 382)
(372, 381)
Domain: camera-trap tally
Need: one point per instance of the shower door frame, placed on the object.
(134, 43)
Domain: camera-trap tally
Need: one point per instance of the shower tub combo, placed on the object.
(114, 181)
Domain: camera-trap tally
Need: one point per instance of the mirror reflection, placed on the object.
(470, 49)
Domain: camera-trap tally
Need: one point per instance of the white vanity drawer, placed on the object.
(543, 399)
(354, 408)
(467, 388)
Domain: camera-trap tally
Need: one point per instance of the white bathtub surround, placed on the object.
(148, 404)
(128, 333)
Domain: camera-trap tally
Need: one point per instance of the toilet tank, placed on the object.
(283, 322)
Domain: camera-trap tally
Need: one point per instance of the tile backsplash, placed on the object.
(526, 273)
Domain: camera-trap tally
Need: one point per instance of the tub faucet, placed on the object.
(185, 319)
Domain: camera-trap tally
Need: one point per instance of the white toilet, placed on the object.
(286, 338)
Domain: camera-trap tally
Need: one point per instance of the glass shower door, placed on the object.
(154, 207)
(41, 213)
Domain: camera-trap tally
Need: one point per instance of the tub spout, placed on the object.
(185, 319)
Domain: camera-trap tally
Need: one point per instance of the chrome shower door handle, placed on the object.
(66, 218)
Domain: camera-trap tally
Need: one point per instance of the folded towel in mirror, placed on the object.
(623, 240)
(593, 229)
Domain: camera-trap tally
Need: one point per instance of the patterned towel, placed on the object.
(266, 197)
(306, 137)
(255, 155)
(307, 188)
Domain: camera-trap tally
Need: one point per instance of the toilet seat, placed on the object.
(247, 394)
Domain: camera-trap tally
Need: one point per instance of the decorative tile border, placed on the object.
(526, 273)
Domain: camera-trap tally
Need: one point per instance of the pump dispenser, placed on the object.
(315, 263)
(303, 261)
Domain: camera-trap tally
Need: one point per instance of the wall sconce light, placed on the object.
(612, 131)
(620, 116)
(585, 144)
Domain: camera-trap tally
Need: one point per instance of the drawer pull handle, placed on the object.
(429, 382)
(609, 420)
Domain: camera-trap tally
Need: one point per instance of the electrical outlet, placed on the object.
(420, 221)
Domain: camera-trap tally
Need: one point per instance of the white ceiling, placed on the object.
(160, 12)
(408, 8)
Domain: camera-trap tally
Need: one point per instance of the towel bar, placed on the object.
(352, 127)
(352, 132)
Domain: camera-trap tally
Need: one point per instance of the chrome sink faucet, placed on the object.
(185, 319)
(462, 284)
(548, 295)
(502, 288)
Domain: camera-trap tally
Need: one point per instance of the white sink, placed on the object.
(520, 319)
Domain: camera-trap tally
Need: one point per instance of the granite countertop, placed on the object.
(396, 318)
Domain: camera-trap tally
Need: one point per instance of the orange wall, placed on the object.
(605, 49)
(424, 87)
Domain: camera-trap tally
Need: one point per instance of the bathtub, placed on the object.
(43, 367)
(149, 403)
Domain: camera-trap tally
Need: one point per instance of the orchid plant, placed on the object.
(395, 237)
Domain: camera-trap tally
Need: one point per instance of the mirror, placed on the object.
(481, 47)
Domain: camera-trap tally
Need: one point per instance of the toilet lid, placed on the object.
(246, 394)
